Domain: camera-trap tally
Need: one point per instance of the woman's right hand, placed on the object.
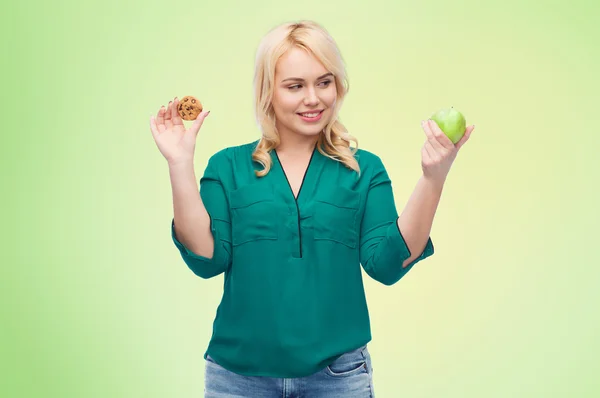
(173, 140)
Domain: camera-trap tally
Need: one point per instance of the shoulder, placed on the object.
(231, 155)
(368, 160)
(371, 167)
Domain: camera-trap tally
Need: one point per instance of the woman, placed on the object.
(288, 220)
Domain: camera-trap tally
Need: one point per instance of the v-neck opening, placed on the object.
(303, 177)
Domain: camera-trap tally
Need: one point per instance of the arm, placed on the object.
(437, 155)
(416, 220)
(201, 226)
(384, 252)
(385, 243)
(190, 215)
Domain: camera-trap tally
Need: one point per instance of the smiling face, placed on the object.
(304, 94)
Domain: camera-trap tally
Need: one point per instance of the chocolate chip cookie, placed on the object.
(189, 108)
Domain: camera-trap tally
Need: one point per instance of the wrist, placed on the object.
(435, 183)
(180, 163)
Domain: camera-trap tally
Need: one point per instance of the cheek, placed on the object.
(330, 97)
(285, 103)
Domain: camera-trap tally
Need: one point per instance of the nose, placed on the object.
(311, 98)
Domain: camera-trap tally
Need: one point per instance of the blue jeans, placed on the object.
(349, 376)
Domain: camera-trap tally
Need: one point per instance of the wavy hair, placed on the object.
(334, 140)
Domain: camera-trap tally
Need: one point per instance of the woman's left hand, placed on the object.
(438, 152)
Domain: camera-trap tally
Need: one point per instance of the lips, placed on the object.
(311, 117)
(310, 114)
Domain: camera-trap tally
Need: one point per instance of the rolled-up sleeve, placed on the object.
(383, 249)
(215, 201)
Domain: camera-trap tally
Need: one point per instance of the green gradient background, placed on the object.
(95, 300)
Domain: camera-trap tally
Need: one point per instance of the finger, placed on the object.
(431, 152)
(425, 155)
(153, 127)
(160, 119)
(465, 137)
(175, 117)
(168, 121)
(194, 128)
(427, 130)
(430, 136)
(440, 136)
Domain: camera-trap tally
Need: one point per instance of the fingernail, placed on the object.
(207, 113)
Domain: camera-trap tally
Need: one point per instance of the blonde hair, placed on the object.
(334, 141)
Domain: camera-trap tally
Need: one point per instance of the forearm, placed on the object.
(416, 219)
(192, 222)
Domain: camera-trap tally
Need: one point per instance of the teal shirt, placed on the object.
(293, 298)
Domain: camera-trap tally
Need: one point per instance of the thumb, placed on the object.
(194, 128)
(465, 137)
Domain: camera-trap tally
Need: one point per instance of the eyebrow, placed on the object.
(301, 80)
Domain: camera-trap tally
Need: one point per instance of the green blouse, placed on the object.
(293, 298)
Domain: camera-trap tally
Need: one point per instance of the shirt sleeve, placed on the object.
(383, 249)
(215, 201)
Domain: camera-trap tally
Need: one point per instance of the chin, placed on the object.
(310, 132)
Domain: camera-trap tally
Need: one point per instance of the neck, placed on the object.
(295, 144)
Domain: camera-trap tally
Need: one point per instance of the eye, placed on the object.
(294, 87)
(326, 82)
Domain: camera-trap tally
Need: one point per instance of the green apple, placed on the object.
(451, 122)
